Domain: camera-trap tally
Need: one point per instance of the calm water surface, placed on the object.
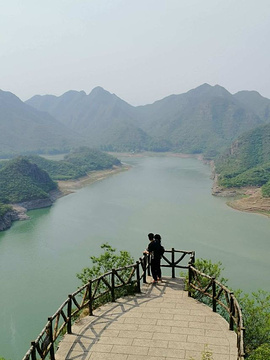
(39, 258)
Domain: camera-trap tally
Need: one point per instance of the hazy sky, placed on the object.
(141, 50)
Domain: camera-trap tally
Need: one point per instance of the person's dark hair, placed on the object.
(157, 237)
(150, 236)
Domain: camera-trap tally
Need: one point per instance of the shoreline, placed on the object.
(161, 154)
(252, 201)
(70, 186)
(65, 187)
(247, 199)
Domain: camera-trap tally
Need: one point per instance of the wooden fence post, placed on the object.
(138, 276)
(33, 352)
(214, 302)
(148, 264)
(193, 258)
(173, 264)
(69, 309)
(113, 285)
(50, 334)
(231, 311)
(144, 268)
(189, 280)
(90, 304)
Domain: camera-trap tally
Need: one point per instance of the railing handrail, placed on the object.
(232, 307)
(92, 291)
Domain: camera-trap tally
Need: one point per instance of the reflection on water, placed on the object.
(39, 258)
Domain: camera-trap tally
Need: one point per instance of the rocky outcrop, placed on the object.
(36, 204)
(18, 211)
(10, 216)
(219, 191)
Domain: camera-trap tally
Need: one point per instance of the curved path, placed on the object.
(161, 323)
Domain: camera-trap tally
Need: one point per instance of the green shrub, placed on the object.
(266, 190)
(3, 210)
(107, 261)
(256, 317)
(261, 353)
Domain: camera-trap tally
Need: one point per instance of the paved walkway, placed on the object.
(161, 323)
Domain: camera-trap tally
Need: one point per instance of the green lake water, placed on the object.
(39, 258)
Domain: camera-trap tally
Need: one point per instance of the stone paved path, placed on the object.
(161, 323)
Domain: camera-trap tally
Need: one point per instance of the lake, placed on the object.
(39, 258)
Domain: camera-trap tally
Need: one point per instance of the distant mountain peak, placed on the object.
(249, 92)
(9, 96)
(98, 90)
(206, 90)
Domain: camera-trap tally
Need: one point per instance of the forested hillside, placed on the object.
(204, 120)
(76, 164)
(30, 177)
(257, 103)
(248, 161)
(21, 181)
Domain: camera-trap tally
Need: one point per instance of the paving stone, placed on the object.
(173, 353)
(151, 343)
(130, 350)
(143, 357)
(105, 356)
(136, 335)
(187, 330)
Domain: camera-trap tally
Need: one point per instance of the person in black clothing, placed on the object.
(153, 250)
(157, 238)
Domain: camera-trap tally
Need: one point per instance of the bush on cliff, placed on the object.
(3, 210)
(107, 261)
(256, 316)
(255, 310)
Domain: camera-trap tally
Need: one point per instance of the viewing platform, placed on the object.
(160, 323)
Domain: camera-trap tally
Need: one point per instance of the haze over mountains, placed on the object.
(103, 118)
(25, 129)
(204, 120)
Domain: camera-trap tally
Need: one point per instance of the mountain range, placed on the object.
(204, 120)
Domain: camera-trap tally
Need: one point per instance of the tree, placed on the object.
(256, 317)
(261, 353)
(211, 269)
(105, 262)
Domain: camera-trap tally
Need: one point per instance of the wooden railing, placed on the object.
(105, 287)
(223, 301)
